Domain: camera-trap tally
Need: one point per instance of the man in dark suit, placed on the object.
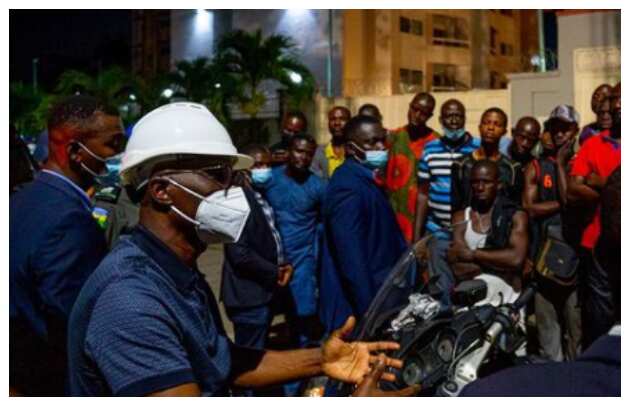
(362, 238)
(254, 266)
(55, 242)
(597, 372)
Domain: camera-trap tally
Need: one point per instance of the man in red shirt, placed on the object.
(596, 160)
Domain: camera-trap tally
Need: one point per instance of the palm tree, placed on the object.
(254, 59)
(204, 81)
(111, 86)
(147, 93)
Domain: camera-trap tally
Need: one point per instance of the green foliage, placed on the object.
(148, 92)
(28, 108)
(243, 62)
(253, 59)
(204, 81)
(111, 86)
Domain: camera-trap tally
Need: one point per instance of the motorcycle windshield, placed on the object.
(402, 281)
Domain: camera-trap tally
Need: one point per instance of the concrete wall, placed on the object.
(194, 33)
(394, 108)
(589, 54)
(586, 30)
(309, 29)
(534, 94)
(368, 62)
(591, 68)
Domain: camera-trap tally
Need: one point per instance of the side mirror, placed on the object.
(469, 292)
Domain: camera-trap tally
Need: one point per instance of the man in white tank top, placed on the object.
(486, 246)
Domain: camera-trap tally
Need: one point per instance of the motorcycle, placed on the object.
(442, 350)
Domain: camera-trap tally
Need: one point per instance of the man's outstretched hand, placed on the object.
(350, 362)
(369, 385)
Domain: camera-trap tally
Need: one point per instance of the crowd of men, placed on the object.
(117, 306)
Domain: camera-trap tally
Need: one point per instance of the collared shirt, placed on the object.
(333, 160)
(435, 167)
(84, 196)
(615, 330)
(600, 155)
(297, 207)
(270, 217)
(146, 322)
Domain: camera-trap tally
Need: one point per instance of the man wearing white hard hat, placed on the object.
(146, 322)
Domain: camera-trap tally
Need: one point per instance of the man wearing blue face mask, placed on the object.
(362, 238)
(55, 242)
(434, 170)
(255, 266)
(433, 210)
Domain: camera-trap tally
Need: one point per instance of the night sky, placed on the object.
(84, 39)
(90, 40)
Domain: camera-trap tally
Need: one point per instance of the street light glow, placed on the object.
(217, 85)
(132, 97)
(295, 78)
(168, 93)
(202, 21)
(297, 12)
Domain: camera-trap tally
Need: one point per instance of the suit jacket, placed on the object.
(55, 244)
(597, 372)
(250, 269)
(362, 243)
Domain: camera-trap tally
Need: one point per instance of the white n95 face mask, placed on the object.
(220, 217)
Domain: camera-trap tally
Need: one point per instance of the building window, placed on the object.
(405, 24)
(493, 39)
(416, 27)
(410, 81)
(411, 26)
(450, 31)
(507, 49)
(445, 78)
(509, 13)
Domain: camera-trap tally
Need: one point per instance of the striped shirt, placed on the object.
(435, 167)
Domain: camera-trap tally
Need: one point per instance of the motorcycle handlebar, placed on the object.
(525, 297)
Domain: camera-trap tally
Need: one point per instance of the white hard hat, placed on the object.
(173, 130)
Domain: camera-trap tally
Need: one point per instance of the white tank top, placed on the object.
(474, 240)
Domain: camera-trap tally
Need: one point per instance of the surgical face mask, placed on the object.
(111, 177)
(99, 158)
(454, 134)
(220, 217)
(374, 159)
(260, 176)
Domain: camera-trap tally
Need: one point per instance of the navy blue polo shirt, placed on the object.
(146, 322)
